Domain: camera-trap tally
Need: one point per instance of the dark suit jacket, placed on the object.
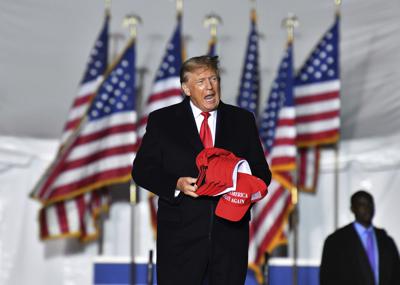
(345, 262)
(168, 151)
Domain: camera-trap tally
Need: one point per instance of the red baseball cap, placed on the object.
(234, 205)
(217, 171)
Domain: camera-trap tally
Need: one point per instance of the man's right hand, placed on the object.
(187, 186)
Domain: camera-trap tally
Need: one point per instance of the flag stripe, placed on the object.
(62, 217)
(318, 107)
(43, 223)
(164, 95)
(305, 90)
(317, 136)
(110, 151)
(266, 206)
(84, 100)
(319, 126)
(57, 174)
(167, 101)
(284, 141)
(108, 139)
(274, 229)
(317, 98)
(105, 177)
(317, 117)
(98, 166)
(112, 120)
(283, 161)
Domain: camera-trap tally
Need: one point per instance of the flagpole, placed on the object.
(290, 23)
(108, 7)
(179, 8)
(131, 22)
(336, 147)
(267, 255)
(100, 222)
(212, 21)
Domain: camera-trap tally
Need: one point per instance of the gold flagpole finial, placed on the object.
(290, 22)
(179, 7)
(337, 5)
(131, 22)
(108, 7)
(133, 192)
(295, 195)
(212, 21)
(253, 11)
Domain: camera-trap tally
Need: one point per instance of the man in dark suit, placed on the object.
(359, 253)
(193, 244)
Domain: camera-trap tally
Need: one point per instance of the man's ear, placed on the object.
(185, 89)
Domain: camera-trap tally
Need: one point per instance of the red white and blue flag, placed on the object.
(76, 217)
(166, 89)
(93, 76)
(317, 100)
(277, 132)
(249, 91)
(100, 150)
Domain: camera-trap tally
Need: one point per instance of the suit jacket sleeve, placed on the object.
(392, 264)
(256, 157)
(147, 170)
(328, 271)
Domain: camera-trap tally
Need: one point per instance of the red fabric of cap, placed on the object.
(234, 205)
(216, 167)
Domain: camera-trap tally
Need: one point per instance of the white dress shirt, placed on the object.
(198, 117)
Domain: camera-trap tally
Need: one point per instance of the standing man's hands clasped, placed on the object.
(187, 185)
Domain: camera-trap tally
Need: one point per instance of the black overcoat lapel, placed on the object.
(186, 121)
(222, 128)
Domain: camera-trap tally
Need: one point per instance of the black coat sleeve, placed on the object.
(256, 157)
(329, 271)
(147, 170)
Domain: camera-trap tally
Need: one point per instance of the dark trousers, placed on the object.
(216, 258)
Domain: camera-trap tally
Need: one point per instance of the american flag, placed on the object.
(76, 217)
(250, 83)
(100, 151)
(277, 133)
(166, 88)
(317, 95)
(166, 91)
(317, 100)
(95, 69)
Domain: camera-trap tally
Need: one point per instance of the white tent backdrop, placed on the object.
(44, 45)
(26, 260)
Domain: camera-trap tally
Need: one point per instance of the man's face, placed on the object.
(202, 86)
(363, 209)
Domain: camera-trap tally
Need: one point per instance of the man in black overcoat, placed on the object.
(193, 244)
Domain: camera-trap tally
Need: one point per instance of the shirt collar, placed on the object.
(197, 112)
(361, 229)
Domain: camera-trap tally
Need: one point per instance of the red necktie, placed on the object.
(205, 132)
